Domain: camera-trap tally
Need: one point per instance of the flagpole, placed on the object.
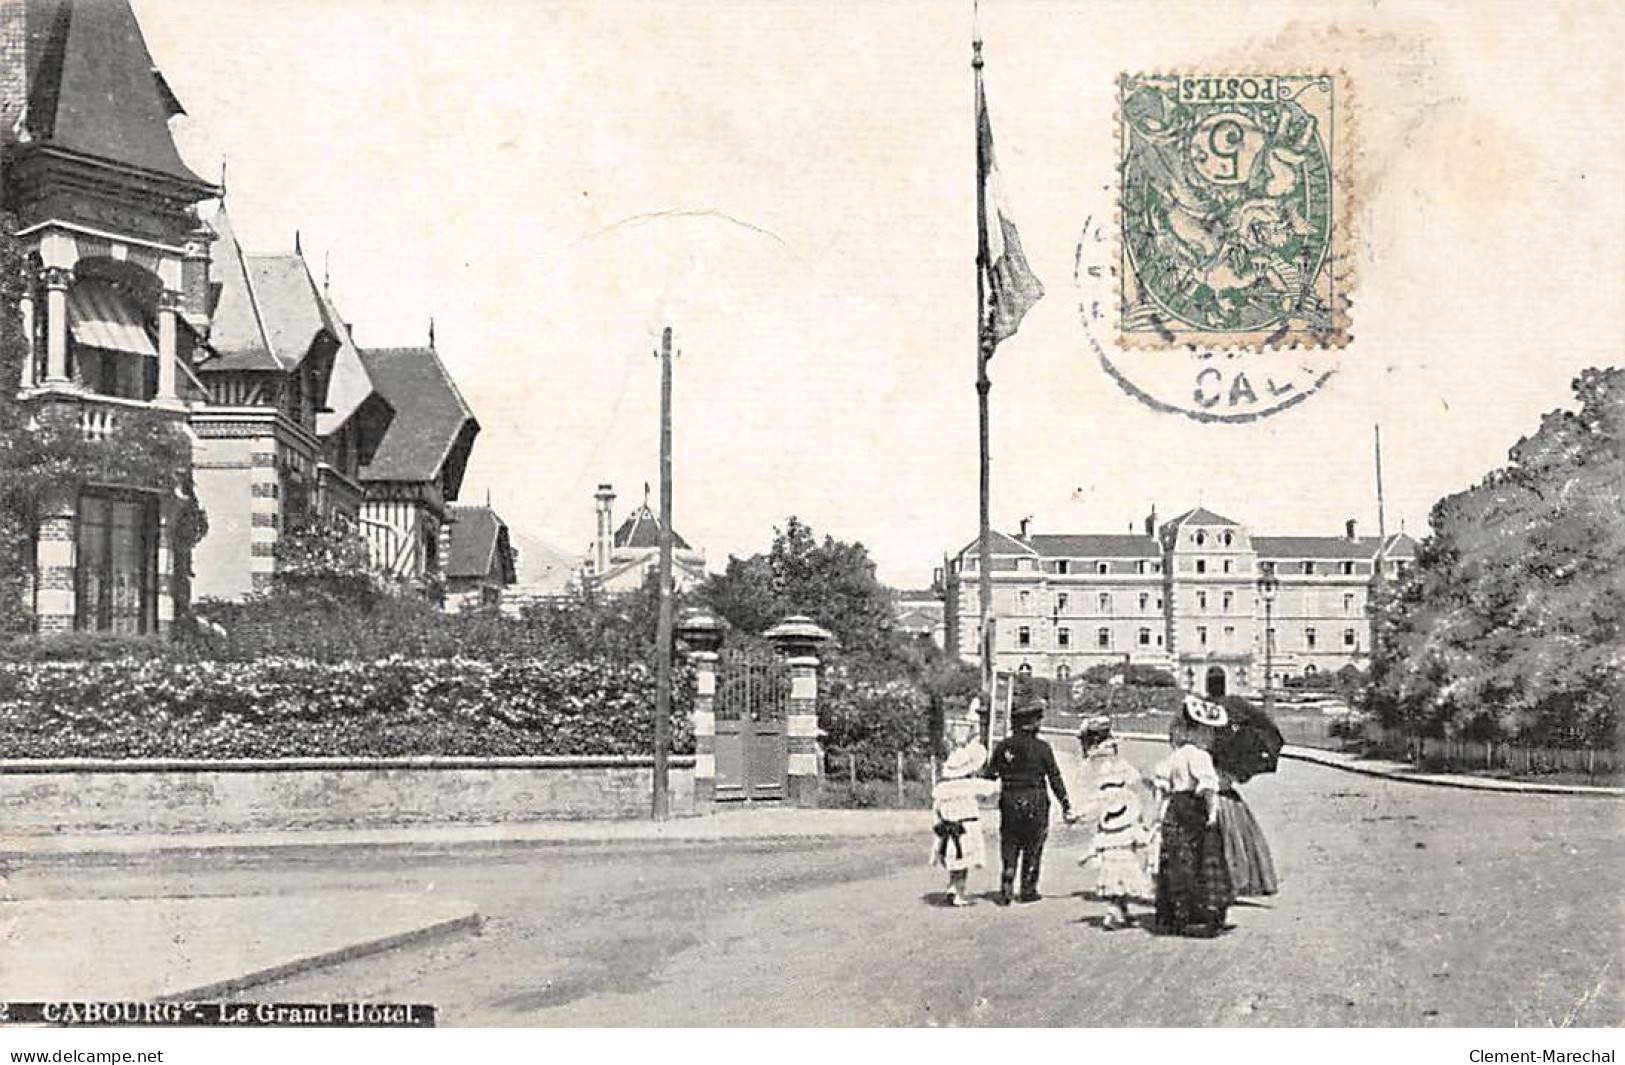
(984, 561)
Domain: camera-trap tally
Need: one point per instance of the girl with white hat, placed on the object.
(1120, 849)
(959, 846)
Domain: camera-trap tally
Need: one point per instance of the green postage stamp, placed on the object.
(1234, 220)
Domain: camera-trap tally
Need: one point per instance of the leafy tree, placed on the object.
(830, 581)
(1512, 622)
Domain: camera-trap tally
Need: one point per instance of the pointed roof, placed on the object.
(642, 529)
(350, 387)
(93, 89)
(433, 429)
(999, 544)
(269, 314)
(479, 545)
(236, 330)
(1200, 516)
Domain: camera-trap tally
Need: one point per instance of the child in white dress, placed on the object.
(959, 846)
(1120, 849)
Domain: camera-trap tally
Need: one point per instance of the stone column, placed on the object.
(801, 730)
(169, 303)
(25, 305)
(54, 561)
(704, 719)
(56, 281)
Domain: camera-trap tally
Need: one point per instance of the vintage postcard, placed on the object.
(565, 514)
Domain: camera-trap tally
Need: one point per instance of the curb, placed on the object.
(467, 922)
(1437, 780)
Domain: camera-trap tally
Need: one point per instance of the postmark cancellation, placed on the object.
(1233, 215)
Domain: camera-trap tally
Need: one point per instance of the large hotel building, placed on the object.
(1183, 597)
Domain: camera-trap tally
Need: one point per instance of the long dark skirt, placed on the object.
(1193, 882)
(1246, 851)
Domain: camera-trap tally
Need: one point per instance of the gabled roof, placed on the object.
(998, 544)
(642, 529)
(1199, 516)
(1095, 545)
(235, 331)
(433, 429)
(268, 312)
(350, 387)
(93, 89)
(479, 545)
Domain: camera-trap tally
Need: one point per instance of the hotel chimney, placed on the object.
(1348, 529)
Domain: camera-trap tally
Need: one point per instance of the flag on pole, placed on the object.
(1012, 288)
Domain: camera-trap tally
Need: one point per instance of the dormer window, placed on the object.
(1102, 568)
(1063, 565)
(1201, 538)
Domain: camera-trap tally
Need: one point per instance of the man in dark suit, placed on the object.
(1026, 767)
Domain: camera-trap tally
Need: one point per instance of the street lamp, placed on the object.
(1267, 587)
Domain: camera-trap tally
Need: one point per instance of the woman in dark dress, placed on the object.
(1193, 879)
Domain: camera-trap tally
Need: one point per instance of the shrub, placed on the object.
(1139, 676)
(870, 719)
(282, 708)
(89, 647)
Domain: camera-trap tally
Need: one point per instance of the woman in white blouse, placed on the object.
(1193, 881)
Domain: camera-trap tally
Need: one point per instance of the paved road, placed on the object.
(1402, 906)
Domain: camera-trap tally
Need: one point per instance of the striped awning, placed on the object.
(102, 317)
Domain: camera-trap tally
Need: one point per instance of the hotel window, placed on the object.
(1308, 568)
(1159, 602)
(1201, 635)
(1024, 637)
(1024, 565)
(1021, 597)
(1103, 637)
(1145, 637)
(1105, 603)
(1102, 568)
(1229, 635)
(1348, 637)
(1063, 671)
(116, 568)
(1201, 565)
(1139, 567)
(1025, 669)
(1144, 599)
(1060, 602)
(1309, 638)
(1227, 565)
(1062, 566)
(1228, 539)
(1229, 599)
(1348, 603)
(1063, 637)
(1201, 600)
(1348, 569)
(1201, 538)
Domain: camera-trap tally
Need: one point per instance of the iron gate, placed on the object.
(752, 751)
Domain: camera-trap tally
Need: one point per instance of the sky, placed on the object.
(790, 187)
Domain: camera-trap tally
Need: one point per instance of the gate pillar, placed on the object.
(703, 634)
(799, 639)
(704, 719)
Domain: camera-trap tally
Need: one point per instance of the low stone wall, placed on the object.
(44, 797)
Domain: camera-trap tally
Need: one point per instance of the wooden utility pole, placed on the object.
(663, 632)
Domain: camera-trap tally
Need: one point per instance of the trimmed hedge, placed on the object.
(290, 708)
